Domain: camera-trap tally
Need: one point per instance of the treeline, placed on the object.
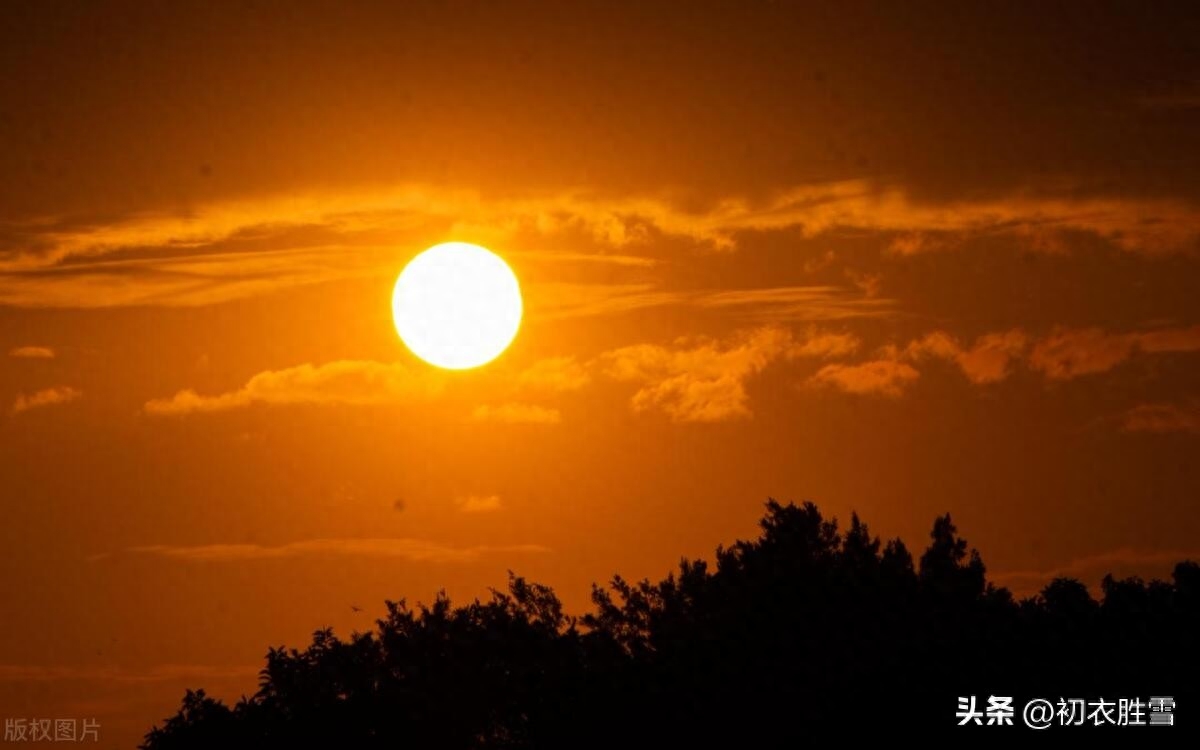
(805, 631)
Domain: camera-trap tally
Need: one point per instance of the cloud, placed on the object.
(351, 382)
(817, 344)
(32, 352)
(157, 673)
(184, 276)
(1120, 563)
(1163, 417)
(62, 394)
(1070, 353)
(415, 550)
(228, 250)
(1169, 340)
(988, 360)
(1142, 225)
(555, 374)
(870, 284)
(701, 380)
(697, 380)
(516, 413)
(1060, 355)
(233, 249)
(612, 259)
(478, 503)
(559, 300)
(790, 303)
(883, 377)
(917, 243)
(766, 304)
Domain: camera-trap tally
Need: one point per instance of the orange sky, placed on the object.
(895, 260)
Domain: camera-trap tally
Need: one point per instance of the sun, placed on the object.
(457, 305)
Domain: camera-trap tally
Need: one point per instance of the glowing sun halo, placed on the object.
(457, 305)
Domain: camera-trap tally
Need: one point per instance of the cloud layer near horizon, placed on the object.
(416, 550)
(31, 352)
(349, 382)
(239, 248)
(55, 396)
(703, 379)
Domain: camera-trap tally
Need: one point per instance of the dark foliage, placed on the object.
(805, 630)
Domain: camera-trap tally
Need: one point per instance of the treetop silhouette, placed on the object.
(804, 629)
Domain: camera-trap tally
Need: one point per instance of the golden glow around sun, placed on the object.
(457, 305)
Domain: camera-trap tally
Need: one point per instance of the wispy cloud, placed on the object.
(478, 503)
(516, 413)
(1120, 563)
(797, 303)
(223, 251)
(824, 345)
(184, 277)
(109, 674)
(62, 394)
(416, 550)
(764, 305)
(555, 374)
(1163, 417)
(882, 377)
(1070, 353)
(604, 259)
(988, 360)
(352, 382)
(558, 300)
(692, 380)
(700, 379)
(814, 208)
(697, 380)
(32, 352)
(1062, 354)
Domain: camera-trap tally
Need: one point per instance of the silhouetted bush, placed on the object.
(804, 631)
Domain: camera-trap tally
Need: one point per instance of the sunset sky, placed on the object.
(894, 258)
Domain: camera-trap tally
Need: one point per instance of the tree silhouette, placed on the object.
(800, 631)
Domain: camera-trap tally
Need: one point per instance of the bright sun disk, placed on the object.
(457, 305)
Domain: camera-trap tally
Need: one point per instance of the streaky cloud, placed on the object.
(414, 550)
